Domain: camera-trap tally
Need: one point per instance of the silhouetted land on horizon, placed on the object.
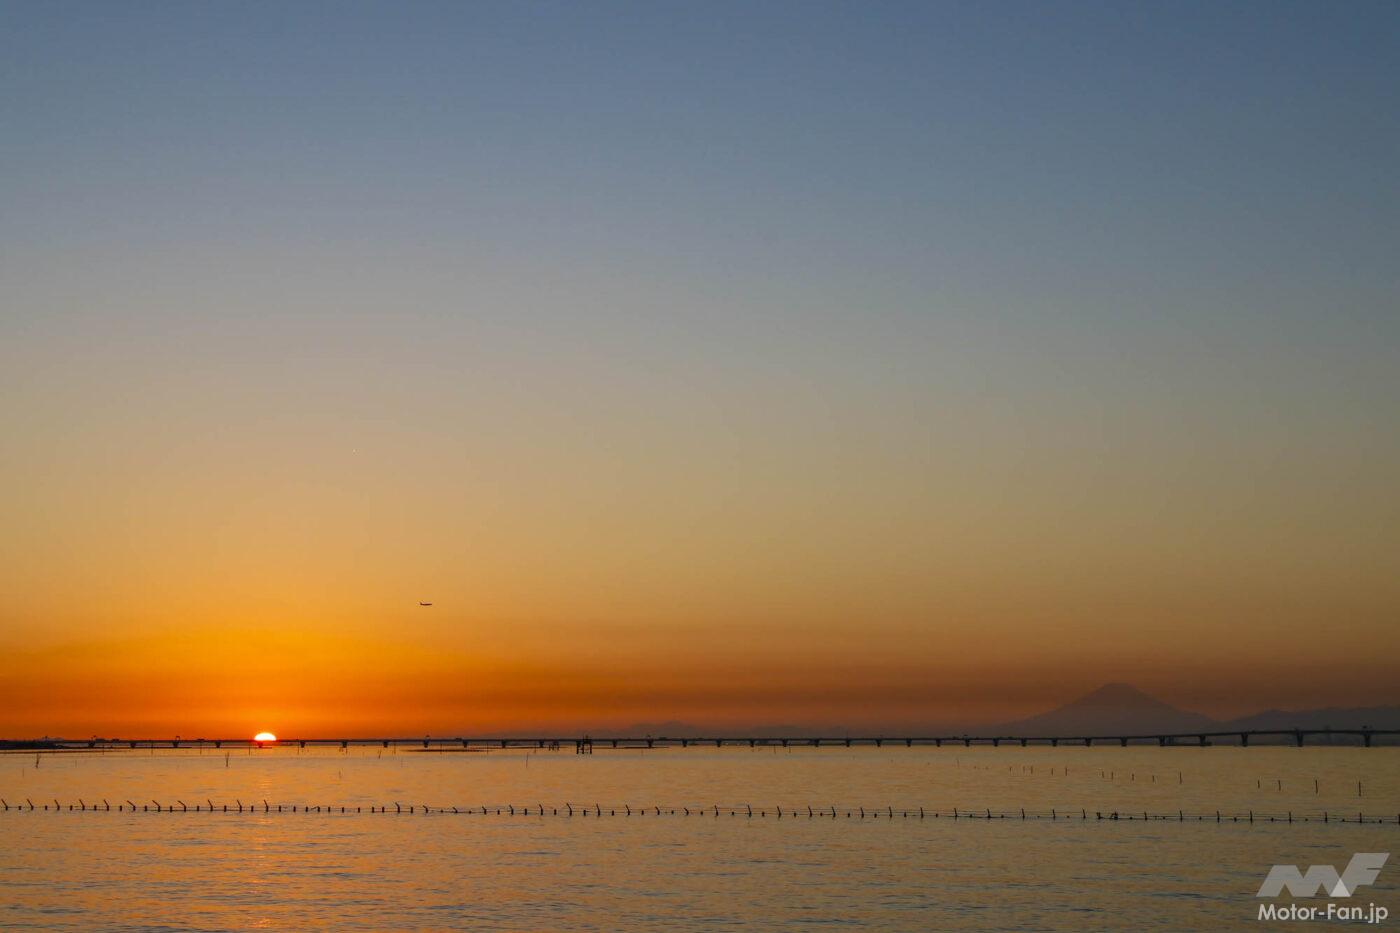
(1112, 710)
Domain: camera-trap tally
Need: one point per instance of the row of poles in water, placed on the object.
(598, 810)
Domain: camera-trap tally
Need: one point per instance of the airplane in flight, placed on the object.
(424, 604)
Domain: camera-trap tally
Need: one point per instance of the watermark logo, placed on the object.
(1362, 869)
(1324, 880)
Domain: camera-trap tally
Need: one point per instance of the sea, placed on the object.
(699, 838)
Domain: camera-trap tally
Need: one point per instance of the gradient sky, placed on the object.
(865, 364)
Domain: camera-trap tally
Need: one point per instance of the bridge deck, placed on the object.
(587, 743)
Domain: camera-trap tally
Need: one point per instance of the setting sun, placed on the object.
(264, 737)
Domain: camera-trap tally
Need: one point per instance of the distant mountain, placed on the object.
(671, 729)
(1374, 717)
(1113, 709)
(801, 732)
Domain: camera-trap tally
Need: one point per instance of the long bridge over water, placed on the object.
(586, 744)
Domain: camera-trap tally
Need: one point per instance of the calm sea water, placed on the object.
(186, 871)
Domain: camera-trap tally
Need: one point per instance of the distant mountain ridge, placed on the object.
(1122, 709)
(1113, 709)
(1330, 717)
(673, 729)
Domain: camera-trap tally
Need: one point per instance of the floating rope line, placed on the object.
(714, 811)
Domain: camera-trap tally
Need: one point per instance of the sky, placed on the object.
(864, 364)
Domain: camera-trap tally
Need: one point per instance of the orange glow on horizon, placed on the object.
(264, 737)
(317, 682)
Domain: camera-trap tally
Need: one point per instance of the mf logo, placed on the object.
(1362, 869)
